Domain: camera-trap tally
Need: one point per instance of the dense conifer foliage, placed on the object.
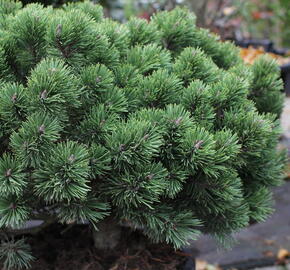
(158, 126)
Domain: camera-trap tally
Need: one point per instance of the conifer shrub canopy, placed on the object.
(158, 125)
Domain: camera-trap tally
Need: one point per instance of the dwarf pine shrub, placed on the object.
(158, 126)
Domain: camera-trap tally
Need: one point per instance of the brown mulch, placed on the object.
(59, 248)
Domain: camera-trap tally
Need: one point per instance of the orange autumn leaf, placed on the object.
(283, 253)
(229, 10)
(268, 253)
(269, 242)
(256, 15)
(250, 54)
(203, 265)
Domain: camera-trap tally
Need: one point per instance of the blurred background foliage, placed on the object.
(232, 19)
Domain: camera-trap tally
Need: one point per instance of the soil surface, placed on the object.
(62, 248)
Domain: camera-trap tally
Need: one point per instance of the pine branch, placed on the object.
(156, 123)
